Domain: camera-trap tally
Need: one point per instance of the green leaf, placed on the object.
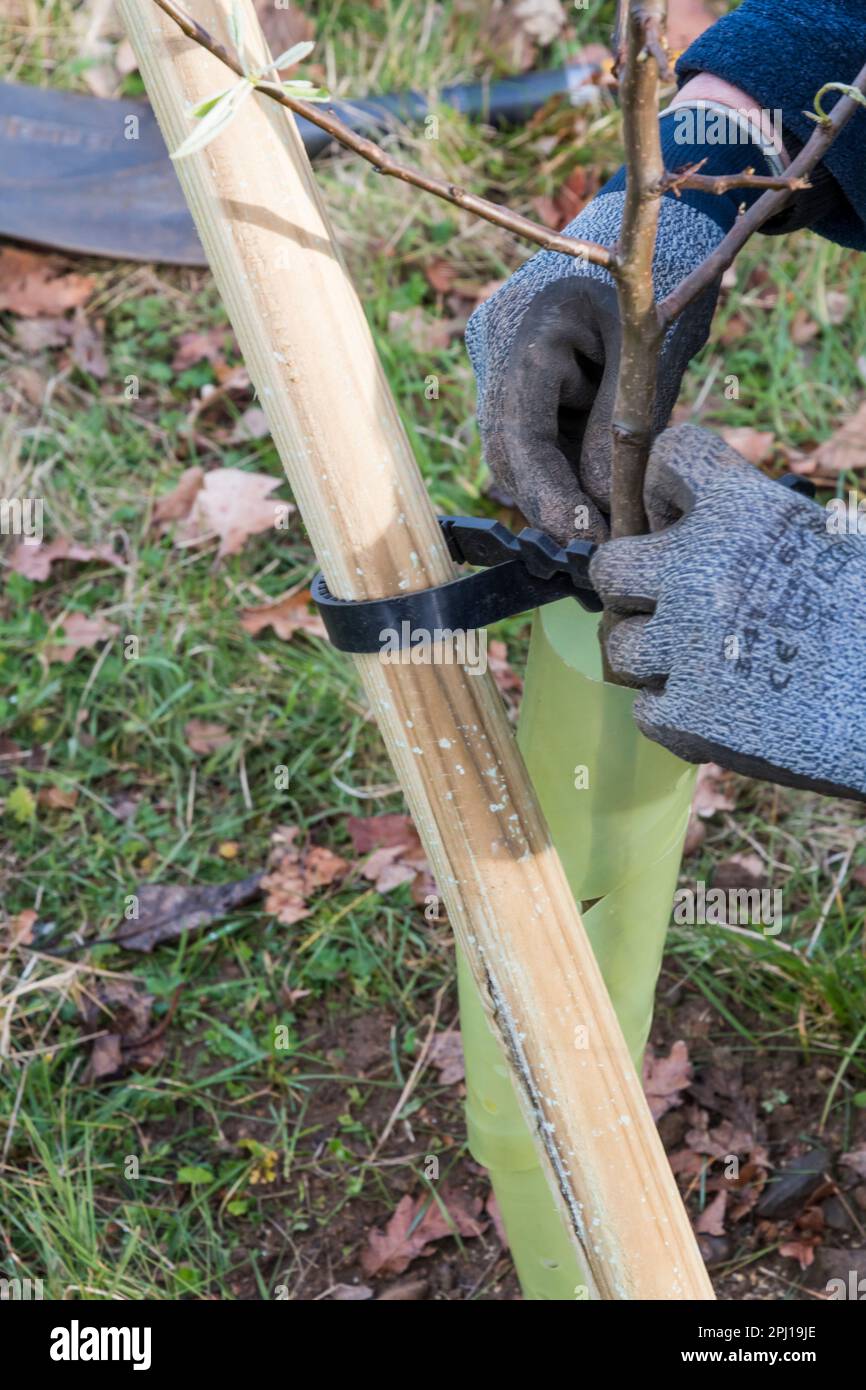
(236, 25)
(295, 54)
(220, 113)
(194, 1175)
(21, 805)
(860, 1100)
(205, 106)
(305, 91)
(238, 1207)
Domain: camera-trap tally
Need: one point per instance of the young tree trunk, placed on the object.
(641, 327)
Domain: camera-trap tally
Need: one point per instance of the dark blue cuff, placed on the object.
(781, 52)
(684, 141)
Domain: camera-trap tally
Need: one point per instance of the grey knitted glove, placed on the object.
(545, 349)
(754, 653)
(546, 346)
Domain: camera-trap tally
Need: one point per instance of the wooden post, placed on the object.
(310, 354)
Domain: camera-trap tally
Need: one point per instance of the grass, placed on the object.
(246, 1159)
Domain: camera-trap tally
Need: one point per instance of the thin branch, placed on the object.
(632, 269)
(328, 121)
(770, 203)
(689, 177)
(656, 44)
(654, 40)
(618, 38)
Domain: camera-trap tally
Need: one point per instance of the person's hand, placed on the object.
(744, 623)
(545, 347)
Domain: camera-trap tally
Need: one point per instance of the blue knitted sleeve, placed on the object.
(780, 52)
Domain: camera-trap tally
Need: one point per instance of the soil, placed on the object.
(765, 1109)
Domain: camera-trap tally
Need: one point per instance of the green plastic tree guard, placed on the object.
(617, 806)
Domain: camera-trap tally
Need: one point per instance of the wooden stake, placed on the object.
(310, 354)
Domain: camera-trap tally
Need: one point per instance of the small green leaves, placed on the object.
(296, 54)
(209, 102)
(219, 111)
(236, 27)
(215, 112)
(194, 1175)
(304, 91)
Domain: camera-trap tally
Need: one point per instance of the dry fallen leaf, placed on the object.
(286, 615)
(802, 1250)
(234, 505)
(710, 795)
(124, 58)
(202, 737)
(845, 450)
(175, 505)
(349, 1293)
(542, 20)
(803, 328)
(28, 382)
(506, 678)
(57, 798)
(33, 285)
(295, 873)
(695, 835)
(231, 504)
(80, 631)
(735, 328)
(740, 871)
(132, 1042)
(233, 388)
(546, 211)
(85, 337)
(35, 561)
(441, 275)
(397, 853)
(580, 186)
(253, 424)
(856, 1160)
(88, 345)
(21, 927)
(372, 832)
(166, 911)
(406, 1237)
(385, 868)
(755, 445)
(35, 335)
(446, 1055)
(405, 1291)
(665, 1077)
(207, 346)
(724, 1138)
(711, 1221)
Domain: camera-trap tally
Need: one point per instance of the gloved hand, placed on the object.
(545, 347)
(746, 622)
